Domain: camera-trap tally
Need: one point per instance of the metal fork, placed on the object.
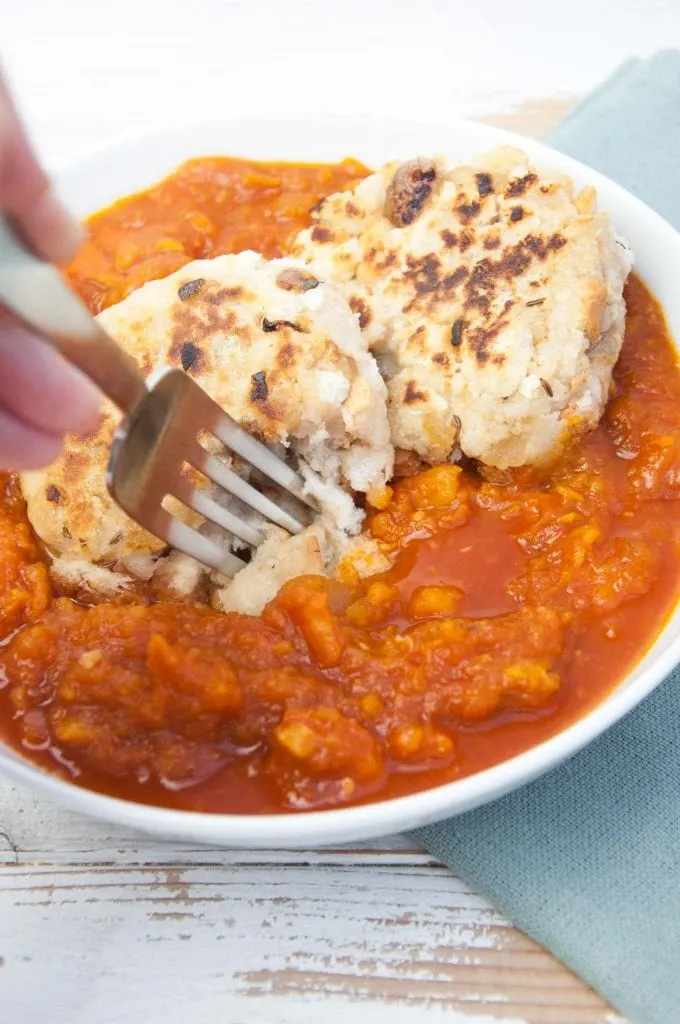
(164, 418)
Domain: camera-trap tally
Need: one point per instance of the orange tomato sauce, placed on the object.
(512, 607)
(208, 207)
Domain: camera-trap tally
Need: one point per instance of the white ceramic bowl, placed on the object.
(93, 181)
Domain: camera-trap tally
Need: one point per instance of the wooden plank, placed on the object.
(147, 928)
(259, 936)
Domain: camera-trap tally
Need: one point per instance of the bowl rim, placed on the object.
(382, 817)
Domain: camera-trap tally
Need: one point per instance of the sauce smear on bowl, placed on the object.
(513, 604)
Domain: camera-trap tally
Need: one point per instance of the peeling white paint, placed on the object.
(101, 926)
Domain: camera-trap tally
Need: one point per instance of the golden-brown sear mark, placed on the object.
(412, 394)
(388, 261)
(235, 291)
(357, 305)
(424, 273)
(468, 211)
(481, 287)
(484, 183)
(425, 276)
(285, 356)
(466, 239)
(542, 247)
(518, 186)
(480, 338)
(197, 323)
(75, 465)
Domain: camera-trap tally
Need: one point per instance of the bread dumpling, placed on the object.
(491, 295)
(279, 350)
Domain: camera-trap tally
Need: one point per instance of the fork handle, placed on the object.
(37, 294)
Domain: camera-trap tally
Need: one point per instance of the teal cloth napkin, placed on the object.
(587, 859)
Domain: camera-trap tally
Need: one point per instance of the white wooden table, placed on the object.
(101, 926)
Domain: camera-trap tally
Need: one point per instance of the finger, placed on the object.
(24, 447)
(25, 191)
(39, 387)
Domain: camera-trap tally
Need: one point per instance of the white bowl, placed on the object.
(93, 181)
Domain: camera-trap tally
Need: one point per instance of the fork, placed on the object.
(164, 417)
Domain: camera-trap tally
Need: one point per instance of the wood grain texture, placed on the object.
(116, 926)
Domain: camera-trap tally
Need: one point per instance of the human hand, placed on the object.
(42, 397)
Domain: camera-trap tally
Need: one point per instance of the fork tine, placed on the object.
(257, 454)
(160, 435)
(219, 474)
(191, 542)
(201, 502)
